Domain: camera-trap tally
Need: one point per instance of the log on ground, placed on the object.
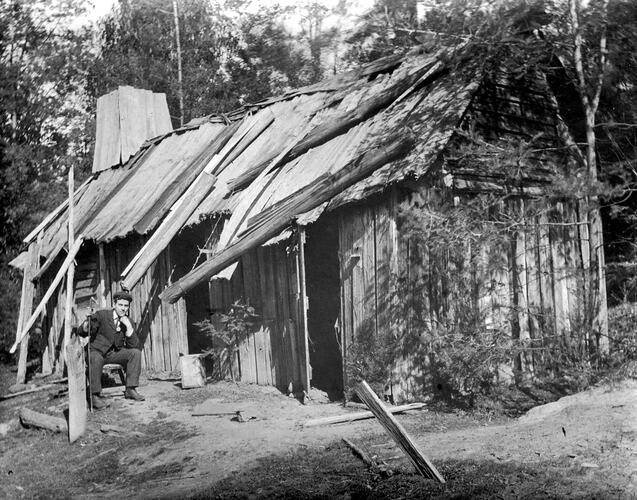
(30, 418)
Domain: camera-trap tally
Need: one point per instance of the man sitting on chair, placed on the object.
(113, 340)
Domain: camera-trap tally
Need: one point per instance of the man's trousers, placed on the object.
(129, 359)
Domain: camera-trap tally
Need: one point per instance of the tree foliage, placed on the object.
(227, 60)
(42, 66)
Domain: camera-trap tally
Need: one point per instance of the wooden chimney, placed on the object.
(126, 118)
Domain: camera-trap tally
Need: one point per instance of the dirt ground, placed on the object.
(581, 446)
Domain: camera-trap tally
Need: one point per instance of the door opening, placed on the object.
(322, 283)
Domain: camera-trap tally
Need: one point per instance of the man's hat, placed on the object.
(122, 295)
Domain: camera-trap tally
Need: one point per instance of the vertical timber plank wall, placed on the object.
(534, 300)
(546, 280)
(533, 285)
(346, 261)
(161, 327)
(267, 279)
(53, 321)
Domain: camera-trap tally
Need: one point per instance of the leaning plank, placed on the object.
(397, 432)
(360, 415)
(306, 198)
(54, 284)
(30, 418)
(28, 391)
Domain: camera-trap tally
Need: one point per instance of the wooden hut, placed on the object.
(292, 205)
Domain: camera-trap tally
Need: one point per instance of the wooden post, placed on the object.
(26, 304)
(303, 304)
(77, 389)
(102, 290)
(397, 432)
(70, 277)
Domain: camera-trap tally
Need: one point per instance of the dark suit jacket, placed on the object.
(105, 336)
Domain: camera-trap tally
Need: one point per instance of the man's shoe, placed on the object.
(131, 393)
(99, 403)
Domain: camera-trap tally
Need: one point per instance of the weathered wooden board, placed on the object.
(248, 360)
(358, 286)
(383, 251)
(76, 368)
(302, 312)
(520, 287)
(346, 320)
(560, 281)
(124, 124)
(577, 301)
(359, 415)
(422, 464)
(267, 311)
(26, 305)
(107, 149)
(368, 268)
(534, 295)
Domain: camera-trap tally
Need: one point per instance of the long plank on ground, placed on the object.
(359, 415)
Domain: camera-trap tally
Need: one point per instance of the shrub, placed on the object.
(228, 331)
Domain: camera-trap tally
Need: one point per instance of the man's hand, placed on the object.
(125, 320)
(85, 326)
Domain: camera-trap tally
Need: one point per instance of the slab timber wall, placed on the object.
(267, 278)
(161, 327)
(389, 288)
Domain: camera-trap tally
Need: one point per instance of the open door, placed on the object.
(322, 288)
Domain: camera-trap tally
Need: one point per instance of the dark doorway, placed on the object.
(184, 250)
(322, 283)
